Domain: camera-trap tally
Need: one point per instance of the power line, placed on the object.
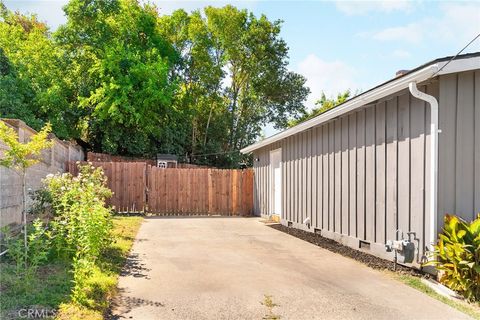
(214, 154)
(459, 52)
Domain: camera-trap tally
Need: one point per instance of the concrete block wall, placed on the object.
(53, 160)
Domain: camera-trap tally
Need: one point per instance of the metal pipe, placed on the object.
(434, 158)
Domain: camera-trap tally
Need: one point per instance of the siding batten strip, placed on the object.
(345, 177)
(465, 153)
(352, 154)
(370, 174)
(360, 139)
(476, 143)
(380, 172)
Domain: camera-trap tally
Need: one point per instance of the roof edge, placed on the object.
(358, 101)
(437, 67)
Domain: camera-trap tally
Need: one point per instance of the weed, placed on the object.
(269, 304)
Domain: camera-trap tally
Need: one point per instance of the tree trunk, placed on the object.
(206, 129)
(234, 110)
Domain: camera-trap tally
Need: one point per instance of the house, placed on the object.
(392, 160)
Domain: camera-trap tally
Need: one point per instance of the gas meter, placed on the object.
(404, 249)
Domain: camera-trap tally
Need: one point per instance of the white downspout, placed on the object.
(433, 158)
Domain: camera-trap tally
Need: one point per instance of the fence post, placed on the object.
(210, 190)
(146, 172)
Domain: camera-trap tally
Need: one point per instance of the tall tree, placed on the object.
(119, 67)
(200, 76)
(234, 78)
(31, 82)
(127, 80)
(15, 94)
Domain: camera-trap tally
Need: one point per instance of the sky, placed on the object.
(340, 45)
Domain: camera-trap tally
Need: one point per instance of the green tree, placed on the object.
(324, 104)
(31, 79)
(199, 73)
(15, 94)
(234, 78)
(20, 156)
(119, 67)
(126, 80)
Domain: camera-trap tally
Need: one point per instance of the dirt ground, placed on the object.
(239, 268)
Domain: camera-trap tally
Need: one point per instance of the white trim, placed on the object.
(368, 97)
(272, 181)
(460, 65)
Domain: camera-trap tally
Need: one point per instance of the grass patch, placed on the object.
(416, 283)
(51, 288)
(46, 291)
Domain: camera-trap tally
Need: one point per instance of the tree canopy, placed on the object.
(31, 85)
(127, 80)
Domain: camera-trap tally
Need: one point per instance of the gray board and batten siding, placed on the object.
(365, 174)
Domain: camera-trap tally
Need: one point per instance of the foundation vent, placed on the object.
(364, 245)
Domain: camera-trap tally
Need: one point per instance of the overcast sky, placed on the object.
(339, 45)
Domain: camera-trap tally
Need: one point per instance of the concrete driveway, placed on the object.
(222, 268)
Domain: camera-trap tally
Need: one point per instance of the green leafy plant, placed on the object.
(15, 249)
(27, 262)
(41, 205)
(458, 256)
(39, 240)
(19, 157)
(81, 222)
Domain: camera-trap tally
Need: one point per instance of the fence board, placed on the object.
(138, 187)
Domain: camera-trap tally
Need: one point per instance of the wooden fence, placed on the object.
(139, 187)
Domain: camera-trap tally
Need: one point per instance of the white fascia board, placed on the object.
(460, 65)
(357, 102)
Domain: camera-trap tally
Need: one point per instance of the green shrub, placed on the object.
(92, 285)
(81, 222)
(76, 239)
(41, 205)
(458, 256)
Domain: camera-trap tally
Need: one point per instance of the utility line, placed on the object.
(446, 64)
(214, 154)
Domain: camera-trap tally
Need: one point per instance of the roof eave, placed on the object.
(382, 91)
(437, 67)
